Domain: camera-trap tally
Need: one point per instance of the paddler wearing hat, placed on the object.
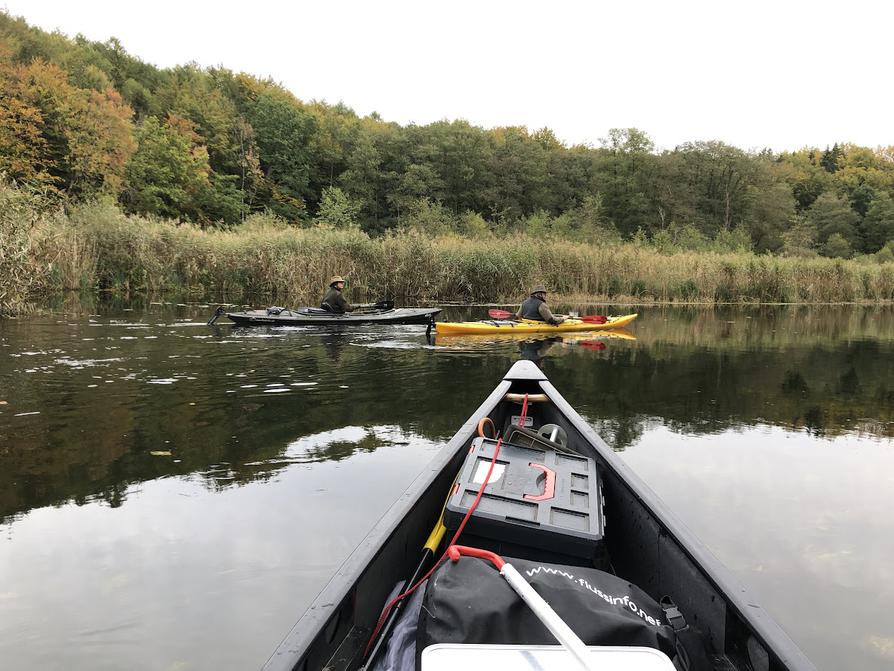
(333, 300)
(535, 308)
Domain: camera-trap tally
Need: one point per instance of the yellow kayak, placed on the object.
(530, 326)
(505, 336)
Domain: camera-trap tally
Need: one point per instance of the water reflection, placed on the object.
(536, 350)
(150, 464)
(192, 573)
(530, 346)
(88, 402)
(802, 529)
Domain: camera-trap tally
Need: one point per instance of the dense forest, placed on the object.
(82, 121)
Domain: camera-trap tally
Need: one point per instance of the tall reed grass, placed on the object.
(98, 246)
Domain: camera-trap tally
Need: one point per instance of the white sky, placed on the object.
(781, 74)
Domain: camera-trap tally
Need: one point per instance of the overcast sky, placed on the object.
(781, 74)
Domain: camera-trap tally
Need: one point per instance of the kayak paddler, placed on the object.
(333, 300)
(535, 308)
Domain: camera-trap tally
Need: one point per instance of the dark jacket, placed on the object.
(534, 308)
(335, 302)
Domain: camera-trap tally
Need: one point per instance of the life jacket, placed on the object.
(530, 309)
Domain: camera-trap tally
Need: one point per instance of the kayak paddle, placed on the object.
(544, 612)
(378, 305)
(588, 319)
(500, 314)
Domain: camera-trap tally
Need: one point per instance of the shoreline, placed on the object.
(100, 250)
(93, 299)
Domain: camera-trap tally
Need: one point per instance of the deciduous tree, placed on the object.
(168, 174)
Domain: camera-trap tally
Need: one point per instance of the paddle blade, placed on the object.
(499, 314)
(594, 319)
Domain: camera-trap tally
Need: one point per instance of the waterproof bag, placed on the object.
(469, 602)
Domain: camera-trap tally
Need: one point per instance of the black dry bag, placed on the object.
(470, 602)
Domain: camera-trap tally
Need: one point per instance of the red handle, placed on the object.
(549, 487)
(454, 552)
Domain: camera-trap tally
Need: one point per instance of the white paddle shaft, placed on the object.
(547, 616)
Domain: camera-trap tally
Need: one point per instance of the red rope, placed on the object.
(462, 525)
(524, 412)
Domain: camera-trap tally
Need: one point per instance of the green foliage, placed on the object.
(878, 226)
(362, 180)
(624, 167)
(735, 240)
(429, 217)
(861, 198)
(689, 237)
(82, 119)
(830, 215)
(168, 174)
(799, 240)
(802, 172)
(628, 141)
(584, 223)
(771, 213)
(336, 210)
(539, 224)
(676, 238)
(830, 158)
(587, 222)
(837, 247)
(283, 131)
(472, 225)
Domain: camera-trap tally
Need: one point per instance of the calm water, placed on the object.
(173, 496)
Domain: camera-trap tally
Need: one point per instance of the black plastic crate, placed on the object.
(536, 497)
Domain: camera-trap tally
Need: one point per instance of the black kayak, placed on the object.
(638, 540)
(320, 317)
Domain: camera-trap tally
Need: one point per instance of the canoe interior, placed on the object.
(647, 546)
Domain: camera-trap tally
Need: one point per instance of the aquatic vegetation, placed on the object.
(98, 247)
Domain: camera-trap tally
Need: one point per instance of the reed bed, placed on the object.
(97, 246)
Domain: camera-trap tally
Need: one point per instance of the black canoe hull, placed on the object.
(648, 546)
(304, 317)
